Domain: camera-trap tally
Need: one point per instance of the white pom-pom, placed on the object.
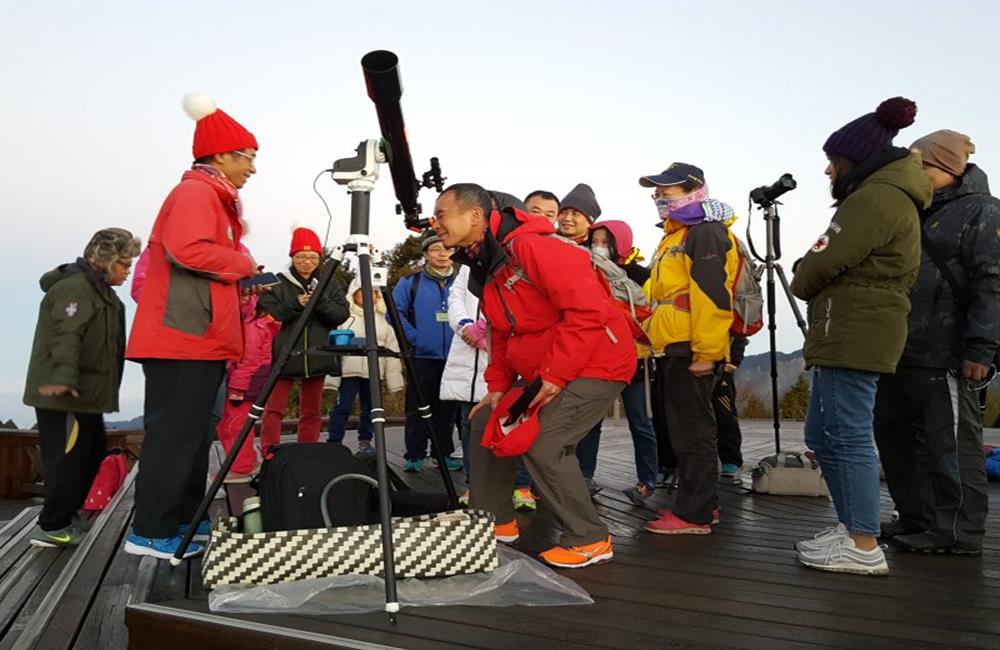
(198, 106)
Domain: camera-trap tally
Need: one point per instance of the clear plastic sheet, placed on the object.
(518, 580)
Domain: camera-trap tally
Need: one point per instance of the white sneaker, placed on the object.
(822, 539)
(844, 557)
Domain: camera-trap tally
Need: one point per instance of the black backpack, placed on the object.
(292, 480)
(293, 477)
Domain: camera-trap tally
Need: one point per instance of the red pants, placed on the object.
(233, 417)
(310, 420)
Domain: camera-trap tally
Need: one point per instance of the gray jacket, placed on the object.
(963, 225)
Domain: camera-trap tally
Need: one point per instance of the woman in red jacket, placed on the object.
(550, 320)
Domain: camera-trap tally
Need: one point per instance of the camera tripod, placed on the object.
(766, 200)
(359, 174)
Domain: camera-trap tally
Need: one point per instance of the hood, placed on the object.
(357, 311)
(63, 271)
(974, 181)
(902, 170)
(505, 200)
(621, 237)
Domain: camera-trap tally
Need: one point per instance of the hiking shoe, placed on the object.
(896, 527)
(716, 515)
(162, 548)
(967, 549)
(730, 473)
(464, 499)
(524, 499)
(201, 534)
(639, 493)
(842, 556)
(577, 557)
(507, 533)
(671, 524)
(822, 539)
(592, 487)
(69, 536)
(415, 465)
(925, 542)
(366, 447)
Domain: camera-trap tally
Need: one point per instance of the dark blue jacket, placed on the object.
(429, 335)
(963, 224)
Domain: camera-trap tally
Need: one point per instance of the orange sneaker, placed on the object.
(576, 557)
(507, 533)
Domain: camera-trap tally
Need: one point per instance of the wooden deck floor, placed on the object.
(740, 587)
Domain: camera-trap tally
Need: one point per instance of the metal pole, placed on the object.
(360, 210)
(770, 219)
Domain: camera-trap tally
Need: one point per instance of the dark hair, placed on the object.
(470, 195)
(612, 242)
(543, 194)
(843, 181)
(205, 160)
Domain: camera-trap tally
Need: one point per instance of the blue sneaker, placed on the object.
(202, 533)
(416, 465)
(454, 464)
(162, 548)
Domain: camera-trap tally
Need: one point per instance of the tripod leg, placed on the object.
(257, 410)
(772, 326)
(406, 354)
(799, 320)
(378, 428)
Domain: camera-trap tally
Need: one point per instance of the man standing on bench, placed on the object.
(187, 327)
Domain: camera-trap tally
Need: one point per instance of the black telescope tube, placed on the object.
(381, 69)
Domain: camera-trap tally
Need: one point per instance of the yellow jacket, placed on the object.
(691, 289)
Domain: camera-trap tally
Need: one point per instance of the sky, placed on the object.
(516, 96)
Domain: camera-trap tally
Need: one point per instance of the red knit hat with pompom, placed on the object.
(304, 239)
(873, 132)
(215, 132)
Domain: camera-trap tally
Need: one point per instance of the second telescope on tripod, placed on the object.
(768, 194)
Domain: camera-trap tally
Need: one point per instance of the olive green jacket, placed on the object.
(857, 276)
(79, 342)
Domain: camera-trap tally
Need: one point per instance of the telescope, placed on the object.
(381, 70)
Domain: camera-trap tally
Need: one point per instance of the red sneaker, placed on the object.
(671, 524)
(663, 512)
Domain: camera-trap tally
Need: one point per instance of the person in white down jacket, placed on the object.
(353, 382)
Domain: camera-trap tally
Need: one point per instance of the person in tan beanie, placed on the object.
(928, 424)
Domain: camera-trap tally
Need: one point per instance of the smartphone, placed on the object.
(262, 280)
(518, 408)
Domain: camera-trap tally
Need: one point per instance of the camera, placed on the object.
(768, 194)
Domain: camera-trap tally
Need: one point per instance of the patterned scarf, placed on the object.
(227, 192)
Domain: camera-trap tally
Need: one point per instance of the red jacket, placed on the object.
(189, 308)
(549, 313)
(248, 374)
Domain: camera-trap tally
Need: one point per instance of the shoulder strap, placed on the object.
(411, 309)
(938, 259)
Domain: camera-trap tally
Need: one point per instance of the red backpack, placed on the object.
(110, 477)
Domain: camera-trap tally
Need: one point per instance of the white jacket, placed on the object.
(390, 368)
(465, 365)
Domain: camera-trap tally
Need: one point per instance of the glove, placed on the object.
(477, 332)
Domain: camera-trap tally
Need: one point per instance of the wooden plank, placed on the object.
(30, 573)
(41, 582)
(104, 626)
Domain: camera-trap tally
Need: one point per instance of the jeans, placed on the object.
(840, 430)
(351, 387)
(641, 427)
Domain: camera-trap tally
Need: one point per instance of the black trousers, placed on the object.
(69, 471)
(730, 436)
(727, 418)
(173, 469)
(693, 436)
(929, 432)
(444, 414)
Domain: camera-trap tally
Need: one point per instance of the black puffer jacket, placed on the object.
(963, 224)
(282, 302)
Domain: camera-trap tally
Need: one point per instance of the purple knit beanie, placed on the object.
(873, 132)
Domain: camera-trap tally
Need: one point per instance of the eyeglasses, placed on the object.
(252, 158)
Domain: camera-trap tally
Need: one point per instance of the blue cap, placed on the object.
(675, 174)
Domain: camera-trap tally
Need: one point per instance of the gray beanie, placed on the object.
(433, 239)
(582, 198)
(109, 245)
